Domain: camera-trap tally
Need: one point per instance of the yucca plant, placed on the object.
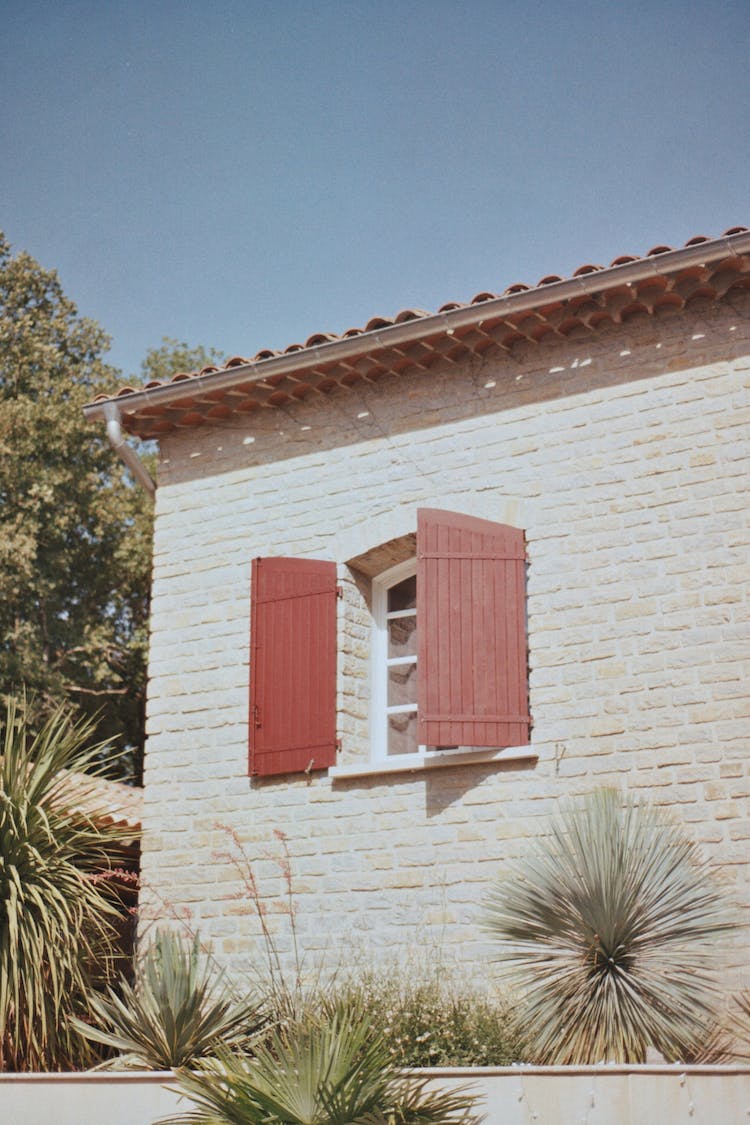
(56, 904)
(740, 1028)
(610, 928)
(329, 1069)
(180, 1009)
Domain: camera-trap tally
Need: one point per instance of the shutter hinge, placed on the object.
(339, 591)
(338, 745)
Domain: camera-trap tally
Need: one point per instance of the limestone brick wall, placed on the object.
(623, 455)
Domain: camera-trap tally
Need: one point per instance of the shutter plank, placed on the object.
(471, 586)
(292, 665)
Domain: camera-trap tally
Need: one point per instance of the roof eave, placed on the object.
(420, 328)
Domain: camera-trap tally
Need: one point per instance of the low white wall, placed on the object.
(597, 1095)
(608, 1095)
(136, 1098)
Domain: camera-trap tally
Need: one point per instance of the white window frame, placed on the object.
(379, 709)
(426, 758)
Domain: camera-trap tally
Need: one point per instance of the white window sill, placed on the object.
(434, 759)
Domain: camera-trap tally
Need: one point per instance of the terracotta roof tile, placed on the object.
(106, 801)
(326, 366)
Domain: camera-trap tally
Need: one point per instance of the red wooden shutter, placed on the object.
(292, 665)
(471, 613)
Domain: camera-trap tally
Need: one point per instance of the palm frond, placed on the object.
(329, 1069)
(58, 917)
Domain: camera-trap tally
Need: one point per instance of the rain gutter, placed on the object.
(444, 323)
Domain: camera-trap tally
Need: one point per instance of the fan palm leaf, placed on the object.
(329, 1069)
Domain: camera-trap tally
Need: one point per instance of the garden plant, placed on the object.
(332, 1068)
(58, 907)
(180, 1009)
(611, 927)
(435, 1018)
(428, 1015)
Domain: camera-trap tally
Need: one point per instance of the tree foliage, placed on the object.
(75, 531)
(173, 356)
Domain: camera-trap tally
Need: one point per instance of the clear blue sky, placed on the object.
(242, 173)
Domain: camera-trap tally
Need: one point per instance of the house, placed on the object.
(415, 583)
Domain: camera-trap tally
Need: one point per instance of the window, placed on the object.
(449, 663)
(394, 668)
(449, 666)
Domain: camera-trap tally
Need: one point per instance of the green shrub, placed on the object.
(425, 1017)
(435, 1021)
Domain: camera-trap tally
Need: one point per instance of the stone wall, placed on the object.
(623, 454)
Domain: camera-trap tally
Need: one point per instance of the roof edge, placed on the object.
(410, 331)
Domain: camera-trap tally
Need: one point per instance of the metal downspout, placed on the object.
(126, 454)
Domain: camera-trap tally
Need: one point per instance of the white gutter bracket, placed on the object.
(125, 452)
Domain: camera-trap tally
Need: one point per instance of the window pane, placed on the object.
(402, 636)
(403, 595)
(402, 733)
(402, 684)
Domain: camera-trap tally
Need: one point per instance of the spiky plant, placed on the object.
(329, 1069)
(610, 927)
(181, 1009)
(56, 909)
(740, 1028)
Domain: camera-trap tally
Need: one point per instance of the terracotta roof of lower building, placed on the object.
(103, 800)
(660, 282)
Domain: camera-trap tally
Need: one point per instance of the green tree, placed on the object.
(172, 356)
(75, 533)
